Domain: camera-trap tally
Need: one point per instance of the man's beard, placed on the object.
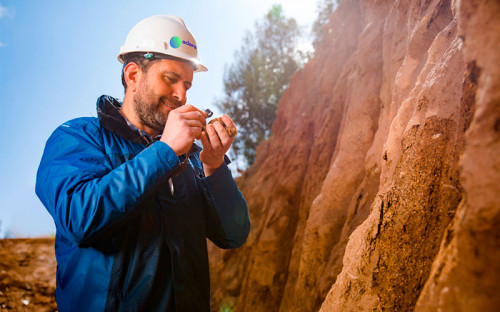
(149, 113)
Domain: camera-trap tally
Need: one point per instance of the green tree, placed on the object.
(324, 8)
(254, 83)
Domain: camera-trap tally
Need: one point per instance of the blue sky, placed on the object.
(57, 57)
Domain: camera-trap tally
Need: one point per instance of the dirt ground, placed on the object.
(27, 275)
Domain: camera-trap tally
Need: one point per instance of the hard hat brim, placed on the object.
(197, 66)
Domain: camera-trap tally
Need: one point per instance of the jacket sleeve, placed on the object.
(228, 223)
(81, 190)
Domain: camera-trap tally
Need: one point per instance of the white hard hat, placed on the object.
(162, 35)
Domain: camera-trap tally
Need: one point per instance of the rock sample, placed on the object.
(378, 190)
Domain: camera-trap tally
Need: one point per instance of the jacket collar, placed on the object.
(108, 110)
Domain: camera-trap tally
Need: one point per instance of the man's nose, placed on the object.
(179, 93)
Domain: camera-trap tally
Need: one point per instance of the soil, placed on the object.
(27, 275)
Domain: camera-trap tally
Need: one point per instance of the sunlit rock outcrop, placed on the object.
(379, 188)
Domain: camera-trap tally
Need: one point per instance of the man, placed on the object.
(133, 199)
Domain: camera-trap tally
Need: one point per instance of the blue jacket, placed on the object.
(124, 242)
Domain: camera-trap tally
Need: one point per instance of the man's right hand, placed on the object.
(184, 125)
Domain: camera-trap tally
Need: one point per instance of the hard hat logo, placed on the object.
(175, 42)
(189, 44)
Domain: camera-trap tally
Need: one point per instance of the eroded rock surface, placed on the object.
(379, 190)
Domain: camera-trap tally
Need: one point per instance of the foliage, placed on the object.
(254, 83)
(324, 8)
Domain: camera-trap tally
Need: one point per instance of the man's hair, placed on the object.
(140, 60)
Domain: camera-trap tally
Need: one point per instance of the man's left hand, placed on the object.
(216, 142)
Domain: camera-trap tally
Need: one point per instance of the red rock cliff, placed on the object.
(379, 189)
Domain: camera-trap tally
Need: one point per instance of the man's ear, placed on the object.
(132, 74)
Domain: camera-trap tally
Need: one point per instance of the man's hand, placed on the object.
(184, 125)
(216, 142)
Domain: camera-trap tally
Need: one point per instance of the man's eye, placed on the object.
(170, 79)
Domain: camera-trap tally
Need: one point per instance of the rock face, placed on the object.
(380, 188)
